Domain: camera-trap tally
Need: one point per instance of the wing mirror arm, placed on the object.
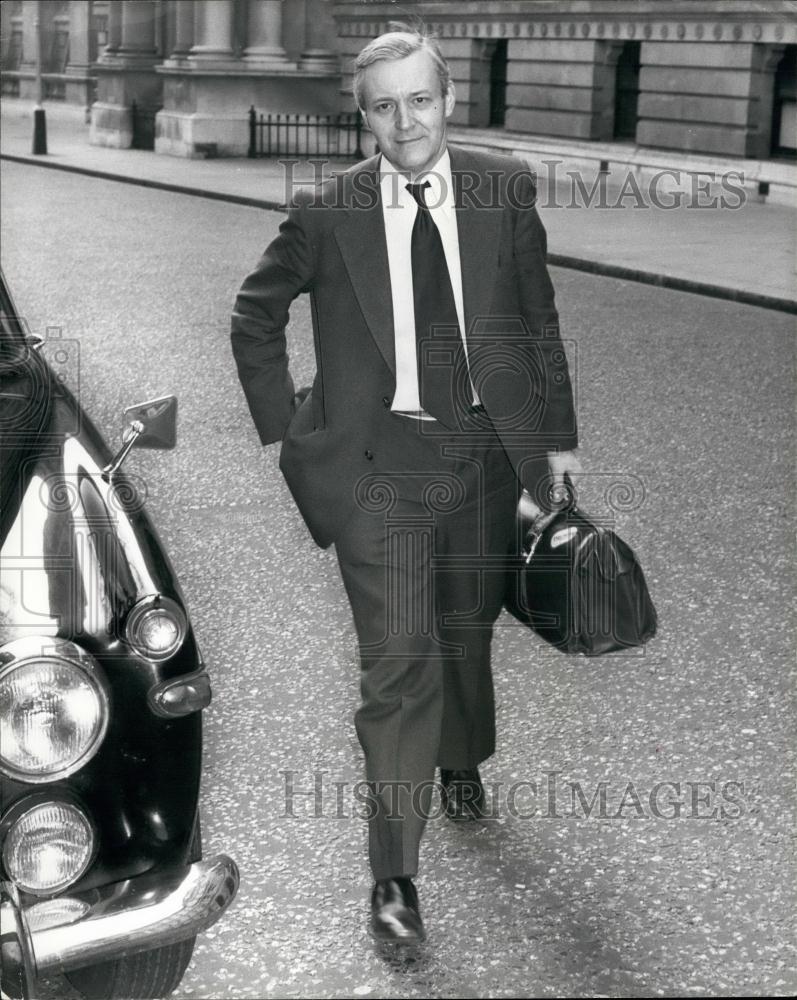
(150, 425)
(132, 433)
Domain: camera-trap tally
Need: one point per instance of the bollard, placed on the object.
(252, 152)
(39, 132)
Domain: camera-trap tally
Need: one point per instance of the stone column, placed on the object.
(114, 29)
(138, 30)
(184, 18)
(213, 30)
(78, 37)
(29, 14)
(264, 33)
(127, 76)
(5, 29)
(79, 86)
(319, 53)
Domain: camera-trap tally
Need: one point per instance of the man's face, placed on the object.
(406, 111)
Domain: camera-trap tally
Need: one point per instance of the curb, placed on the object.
(235, 199)
(554, 259)
(676, 284)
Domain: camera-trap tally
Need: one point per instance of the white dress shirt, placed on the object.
(399, 209)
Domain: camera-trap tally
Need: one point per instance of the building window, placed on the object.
(784, 110)
(56, 59)
(498, 84)
(12, 57)
(626, 92)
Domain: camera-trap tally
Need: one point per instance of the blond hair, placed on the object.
(399, 41)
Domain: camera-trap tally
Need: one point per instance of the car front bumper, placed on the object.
(139, 914)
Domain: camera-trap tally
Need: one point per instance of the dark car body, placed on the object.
(88, 593)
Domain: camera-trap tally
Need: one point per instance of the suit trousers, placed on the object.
(424, 561)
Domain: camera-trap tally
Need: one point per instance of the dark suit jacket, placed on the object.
(332, 245)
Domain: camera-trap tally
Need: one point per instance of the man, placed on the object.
(441, 389)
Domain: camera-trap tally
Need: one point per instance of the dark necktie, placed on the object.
(443, 382)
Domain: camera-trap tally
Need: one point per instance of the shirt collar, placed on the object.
(439, 195)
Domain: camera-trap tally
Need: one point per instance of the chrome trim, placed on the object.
(194, 695)
(16, 961)
(152, 603)
(147, 912)
(18, 653)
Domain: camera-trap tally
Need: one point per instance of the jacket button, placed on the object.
(369, 455)
(386, 402)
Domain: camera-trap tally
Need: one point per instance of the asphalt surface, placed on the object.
(685, 409)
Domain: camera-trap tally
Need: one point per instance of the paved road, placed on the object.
(684, 402)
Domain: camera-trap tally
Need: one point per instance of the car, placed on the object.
(102, 687)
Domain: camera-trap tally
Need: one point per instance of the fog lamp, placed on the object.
(48, 847)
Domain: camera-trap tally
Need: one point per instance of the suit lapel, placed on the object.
(479, 230)
(363, 246)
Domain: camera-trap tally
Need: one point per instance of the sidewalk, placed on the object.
(745, 253)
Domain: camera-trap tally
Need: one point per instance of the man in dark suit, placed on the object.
(441, 390)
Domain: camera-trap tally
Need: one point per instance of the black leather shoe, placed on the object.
(462, 794)
(395, 916)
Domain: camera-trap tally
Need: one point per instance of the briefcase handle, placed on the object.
(540, 519)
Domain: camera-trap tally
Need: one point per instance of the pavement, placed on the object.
(716, 239)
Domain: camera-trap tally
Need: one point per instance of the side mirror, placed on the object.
(154, 423)
(149, 425)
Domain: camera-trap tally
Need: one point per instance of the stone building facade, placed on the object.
(710, 77)
(72, 38)
(199, 66)
(707, 76)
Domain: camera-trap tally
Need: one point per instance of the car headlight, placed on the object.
(156, 627)
(53, 709)
(48, 847)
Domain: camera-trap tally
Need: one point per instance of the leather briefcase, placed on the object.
(578, 585)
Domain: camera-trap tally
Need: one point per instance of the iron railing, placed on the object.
(305, 135)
